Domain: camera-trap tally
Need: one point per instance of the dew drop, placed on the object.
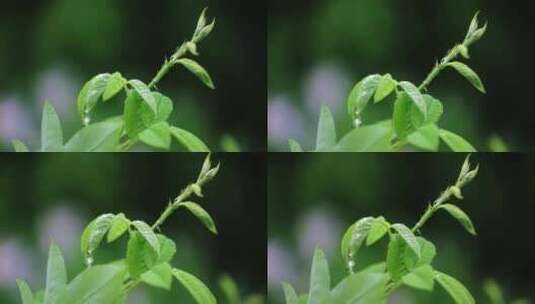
(357, 122)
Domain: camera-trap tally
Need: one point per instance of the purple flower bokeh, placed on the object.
(15, 120)
(284, 121)
(281, 265)
(326, 84)
(57, 86)
(318, 227)
(15, 263)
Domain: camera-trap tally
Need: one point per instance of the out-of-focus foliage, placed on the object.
(50, 47)
(318, 49)
(312, 198)
(52, 197)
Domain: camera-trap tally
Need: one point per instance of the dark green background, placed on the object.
(81, 38)
(316, 197)
(140, 185)
(356, 38)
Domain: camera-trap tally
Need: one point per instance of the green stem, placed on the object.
(452, 54)
(444, 197)
(168, 65)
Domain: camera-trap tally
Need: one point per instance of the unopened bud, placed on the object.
(456, 192)
(197, 190)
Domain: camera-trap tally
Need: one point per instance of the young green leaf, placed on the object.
(415, 96)
(428, 252)
(196, 288)
(434, 112)
(167, 251)
(409, 238)
(190, 141)
(371, 138)
(165, 106)
(326, 136)
(157, 135)
(460, 216)
(51, 132)
(143, 90)
(115, 84)
(426, 138)
(289, 294)
(159, 276)
(384, 88)
(19, 146)
(25, 292)
(361, 94)
(146, 232)
(138, 257)
(91, 93)
(96, 285)
(94, 233)
(361, 288)
(402, 116)
(198, 71)
(118, 226)
(201, 214)
(378, 229)
(395, 258)
(420, 278)
(56, 275)
(355, 236)
(137, 115)
(230, 289)
(320, 280)
(99, 137)
(456, 142)
(294, 146)
(469, 74)
(456, 289)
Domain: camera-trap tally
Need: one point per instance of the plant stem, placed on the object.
(168, 65)
(452, 54)
(173, 206)
(444, 197)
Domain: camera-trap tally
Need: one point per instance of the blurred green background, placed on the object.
(49, 48)
(53, 197)
(314, 198)
(317, 51)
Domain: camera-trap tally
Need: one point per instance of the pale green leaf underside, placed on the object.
(196, 287)
(51, 132)
(56, 275)
(189, 140)
(460, 216)
(320, 280)
(469, 74)
(326, 135)
(456, 142)
(201, 214)
(25, 292)
(198, 71)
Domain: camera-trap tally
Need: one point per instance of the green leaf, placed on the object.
(378, 229)
(157, 135)
(201, 214)
(167, 252)
(146, 232)
(25, 292)
(51, 132)
(326, 136)
(198, 71)
(402, 116)
(196, 288)
(159, 276)
(190, 141)
(456, 289)
(230, 289)
(426, 138)
(384, 88)
(165, 106)
(19, 146)
(91, 93)
(56, 275)
(355, 236)
(409, 238)
(289, 294)
(434, 112)
(294, 146)
(115, 84)
(143, 90)
(462, 217)
(420, 278)
(493, 291)
(118, 226)
(415, 96)
(137, 115)
(372, 138)
(361, 94)
(395, 258)
(94, 234)
(96, 285)
(137, 253)
(361, 288)
(99, 137)
(469, 74)
(320, 281)
(427, 254)
(456, 142)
